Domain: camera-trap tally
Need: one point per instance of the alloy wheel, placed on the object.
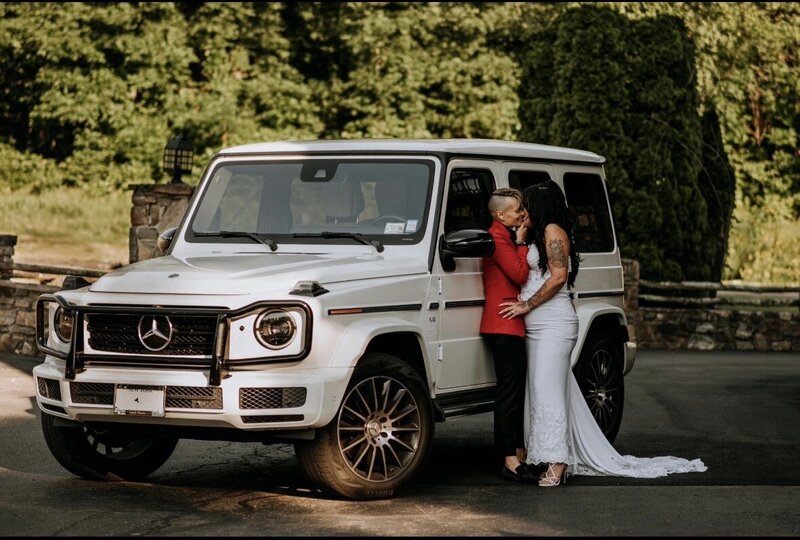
(378, 428)
(601, 389)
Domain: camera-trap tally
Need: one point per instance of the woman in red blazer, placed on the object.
(503, 275)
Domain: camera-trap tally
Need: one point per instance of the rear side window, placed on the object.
(590, 212)
(522, 179)
(468, 200)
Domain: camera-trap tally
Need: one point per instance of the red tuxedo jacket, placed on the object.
(503, 275)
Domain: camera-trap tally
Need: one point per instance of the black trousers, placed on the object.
(510, 366)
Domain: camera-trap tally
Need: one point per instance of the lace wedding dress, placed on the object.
(559, 427)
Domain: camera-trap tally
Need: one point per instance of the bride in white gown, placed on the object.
(559, 427)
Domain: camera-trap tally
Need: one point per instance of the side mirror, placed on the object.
(165, 239)
(464, 243)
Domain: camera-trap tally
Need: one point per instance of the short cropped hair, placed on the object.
(497, 201)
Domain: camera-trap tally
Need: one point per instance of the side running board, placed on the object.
(464, 403)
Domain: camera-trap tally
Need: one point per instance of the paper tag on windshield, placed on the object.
(394, 228)
(411, 225)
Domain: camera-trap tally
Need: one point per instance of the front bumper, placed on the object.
(245, 400)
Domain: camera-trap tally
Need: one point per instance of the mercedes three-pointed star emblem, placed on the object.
(155, 332)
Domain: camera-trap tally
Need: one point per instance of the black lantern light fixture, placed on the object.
(178, 156)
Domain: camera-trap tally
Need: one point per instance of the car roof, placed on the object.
(466, 147)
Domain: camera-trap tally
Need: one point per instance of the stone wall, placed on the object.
(18, 316)
(156, 208)
(694, 327)
(717, 329)
(17, 304)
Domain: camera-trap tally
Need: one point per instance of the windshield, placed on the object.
(296, 201)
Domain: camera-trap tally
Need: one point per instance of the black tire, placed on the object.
(99, 453)
(599, 373)
(380, 437)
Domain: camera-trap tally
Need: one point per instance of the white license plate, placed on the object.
(139, 401)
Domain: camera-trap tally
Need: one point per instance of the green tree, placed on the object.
(666, 155)
(717, 182)
(86, 85)
(243, 88)
(404, 69)
(627, 91)
(747, 69)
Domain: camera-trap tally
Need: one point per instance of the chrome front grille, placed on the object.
(192, 335)
(272, 398)
(177, 397)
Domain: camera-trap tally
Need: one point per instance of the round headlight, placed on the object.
(275, 329)
(62, 324)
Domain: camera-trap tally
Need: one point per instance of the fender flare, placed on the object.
(353, 341)
(587, 315)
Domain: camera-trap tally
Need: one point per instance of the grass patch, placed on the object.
(68, 226)
(766, 252)
(764, 244)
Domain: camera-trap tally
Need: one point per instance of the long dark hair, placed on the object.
(546, 204)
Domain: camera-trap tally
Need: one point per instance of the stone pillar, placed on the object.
(7, 243)
(630, 274)
(630, 297)
(156, 207)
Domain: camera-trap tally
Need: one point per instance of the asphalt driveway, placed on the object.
(737, 411)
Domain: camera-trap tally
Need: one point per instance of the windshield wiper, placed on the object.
(241, 234)
(354, 236)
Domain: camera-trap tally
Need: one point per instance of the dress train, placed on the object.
(595, 456)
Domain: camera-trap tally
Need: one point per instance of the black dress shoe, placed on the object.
(520, 474)
(536, 470)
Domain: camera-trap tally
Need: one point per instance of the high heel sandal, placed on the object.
(551, 479)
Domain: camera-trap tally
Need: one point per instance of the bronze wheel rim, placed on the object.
(378, 429)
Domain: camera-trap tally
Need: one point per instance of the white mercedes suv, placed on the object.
(323, 293)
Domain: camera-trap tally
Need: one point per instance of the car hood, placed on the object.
(246, 274)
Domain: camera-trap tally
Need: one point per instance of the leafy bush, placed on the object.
(25, 169)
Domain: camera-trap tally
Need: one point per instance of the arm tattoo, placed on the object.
(557, 257)
(555, 253)
(536, 299)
